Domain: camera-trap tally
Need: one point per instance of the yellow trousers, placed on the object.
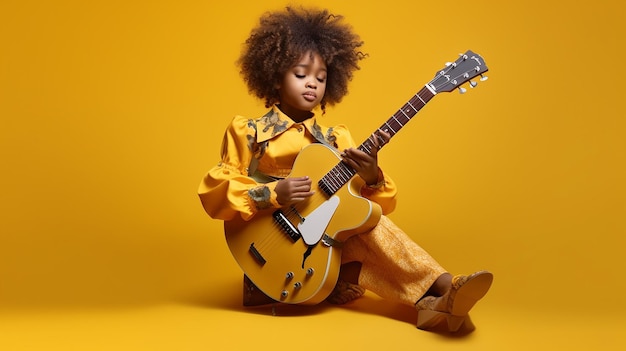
(392, 265)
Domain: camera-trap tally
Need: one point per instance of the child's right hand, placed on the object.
(292, 190)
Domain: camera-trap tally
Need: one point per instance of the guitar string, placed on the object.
(266, 241)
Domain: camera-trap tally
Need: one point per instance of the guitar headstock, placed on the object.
(459, 72)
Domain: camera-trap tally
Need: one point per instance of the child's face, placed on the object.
(303, 86)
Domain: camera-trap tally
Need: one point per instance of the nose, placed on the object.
(311, 84)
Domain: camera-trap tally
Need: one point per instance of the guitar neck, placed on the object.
(401, 117)
(342, 173)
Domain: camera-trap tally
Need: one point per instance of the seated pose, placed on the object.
(299, 61)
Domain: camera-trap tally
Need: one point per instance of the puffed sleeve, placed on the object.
(385, 194)
(227, 190)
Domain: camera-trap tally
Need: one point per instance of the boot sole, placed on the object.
(470, 292)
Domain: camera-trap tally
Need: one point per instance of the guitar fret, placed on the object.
(405, 115)
(324, 186)
(347, 173)
(370, 143)
(390, 127)
(406, 111)
(419, 97)
(341, 174)
(334, 181)
(417, 102)
(339, 178)
(332, 190)
(413, 107)
(401, 123)
(367, 145)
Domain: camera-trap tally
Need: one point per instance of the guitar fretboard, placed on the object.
(342, 173)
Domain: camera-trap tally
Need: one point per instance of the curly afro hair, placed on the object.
(280, 40)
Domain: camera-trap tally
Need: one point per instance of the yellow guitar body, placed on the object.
(286, 268)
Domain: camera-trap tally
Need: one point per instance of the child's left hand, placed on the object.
(366, 165)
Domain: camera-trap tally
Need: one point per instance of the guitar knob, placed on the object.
(297, 285)
(289, 275)
(310, 271)
(284, 293)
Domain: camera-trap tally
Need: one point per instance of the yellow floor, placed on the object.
(367, 324)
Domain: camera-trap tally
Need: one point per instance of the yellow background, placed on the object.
(111, 112)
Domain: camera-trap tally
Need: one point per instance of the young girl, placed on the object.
(297, 61)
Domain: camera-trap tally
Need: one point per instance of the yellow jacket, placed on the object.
(256, 153)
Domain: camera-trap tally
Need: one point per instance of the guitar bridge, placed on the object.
(286, 225)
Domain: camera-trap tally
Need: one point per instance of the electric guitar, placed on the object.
(293, 254)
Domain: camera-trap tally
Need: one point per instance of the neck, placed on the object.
(296, 115)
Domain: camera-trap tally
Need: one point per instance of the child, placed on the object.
(298, 60)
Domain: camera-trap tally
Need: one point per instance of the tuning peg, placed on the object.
(483, 78)
(473, 84)
(448, 64)
(462, 90)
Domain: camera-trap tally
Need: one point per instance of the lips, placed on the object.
(310, 96)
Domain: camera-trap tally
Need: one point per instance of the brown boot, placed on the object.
(345, 292)
(453, 307)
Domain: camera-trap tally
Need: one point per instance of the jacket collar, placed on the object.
(275, 122)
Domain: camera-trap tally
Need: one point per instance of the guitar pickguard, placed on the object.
(314, 225)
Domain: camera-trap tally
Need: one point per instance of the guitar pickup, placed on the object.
(257, 255)
(286, 225)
